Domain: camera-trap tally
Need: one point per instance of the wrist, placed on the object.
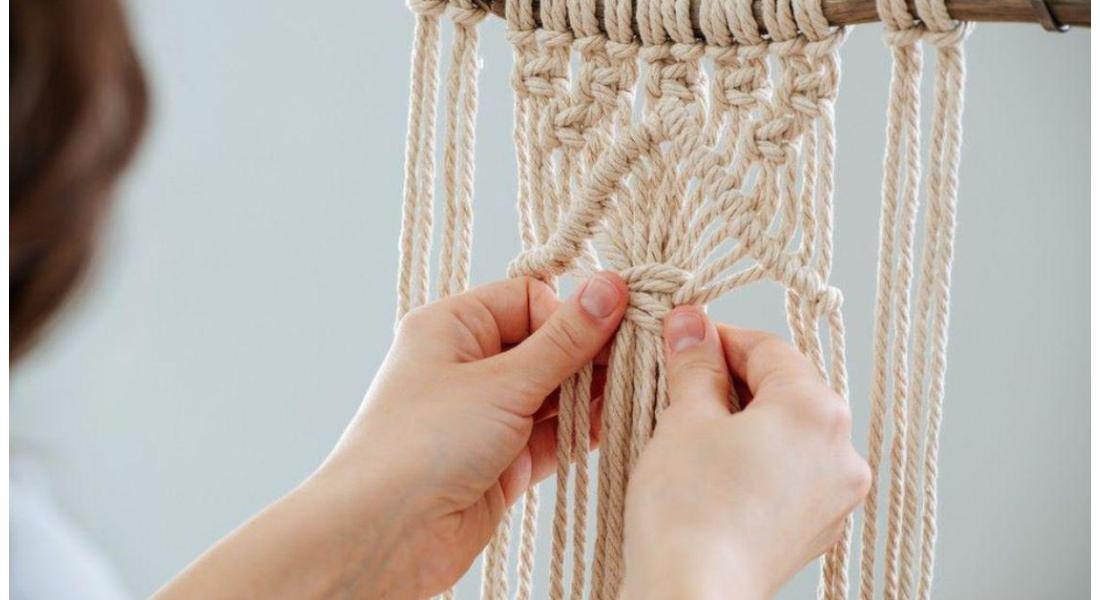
(360, 528)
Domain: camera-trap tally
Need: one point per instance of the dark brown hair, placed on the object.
(77, 108)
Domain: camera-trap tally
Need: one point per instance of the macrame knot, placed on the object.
(687, 52)
(738, 88)
(590, 45)
(598, 95)
(521, 39)
(554, 40)
(826, 46)
(533, 84)
(622, 51)
(826, 302)
(807, 284)
(793, 47)
(429, 8)
(770, 141)
(951, 37)
(653, 287)
(903, 37)
(467, 12)
(569, 126)
(673, 71)
(723, 55)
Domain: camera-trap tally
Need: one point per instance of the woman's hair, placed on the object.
(77, 108)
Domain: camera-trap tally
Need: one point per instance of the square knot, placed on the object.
(551, 39)
(536, 84)
(522, 39)
(622, 51)
(771, 140)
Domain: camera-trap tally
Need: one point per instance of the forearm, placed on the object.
(670, 568)
(672, 583)
(315, 542)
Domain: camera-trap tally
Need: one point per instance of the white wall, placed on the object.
(245, 293)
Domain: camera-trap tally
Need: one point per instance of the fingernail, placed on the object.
(684, 329)
(599, 297)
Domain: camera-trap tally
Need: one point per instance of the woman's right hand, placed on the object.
(722, 502)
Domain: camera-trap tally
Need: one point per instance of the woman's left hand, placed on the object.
(459, 421)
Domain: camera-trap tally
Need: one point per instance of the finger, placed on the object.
(517, 477)
(571, 338)
(698, 380)
(601, 360)
(497, 314)
(761, 359)
(516, 305)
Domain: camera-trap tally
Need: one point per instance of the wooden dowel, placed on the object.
(1076, 13)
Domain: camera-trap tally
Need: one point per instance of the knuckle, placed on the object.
(773, 348)
(474, 321)
(693, 367)
(830, 413)
(859, 478)
(416, 321)
(840, 415)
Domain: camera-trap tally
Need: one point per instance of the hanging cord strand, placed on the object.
(907, 202)
(900, 168)
(948, 37)
(415, 241)
(551, 199)
(527, 81)
(458, 161)
(636, 186)
(458, 151)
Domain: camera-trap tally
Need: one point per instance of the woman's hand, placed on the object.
(457, 420)
(720, 502)
(456, 425)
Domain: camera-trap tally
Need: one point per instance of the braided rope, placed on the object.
(719, 181)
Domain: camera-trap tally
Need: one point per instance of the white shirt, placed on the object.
(50, 557)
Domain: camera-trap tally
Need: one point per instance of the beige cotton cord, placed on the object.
(458, 161)
(691, 182)
(917, 383)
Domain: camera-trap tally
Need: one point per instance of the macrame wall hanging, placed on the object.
(692, 182)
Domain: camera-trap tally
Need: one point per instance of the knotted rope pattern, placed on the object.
(692, 183)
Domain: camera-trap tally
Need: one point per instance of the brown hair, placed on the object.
(77, 108)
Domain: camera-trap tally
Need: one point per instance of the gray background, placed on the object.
(244, 297)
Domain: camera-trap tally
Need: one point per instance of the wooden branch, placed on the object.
(1077, 13)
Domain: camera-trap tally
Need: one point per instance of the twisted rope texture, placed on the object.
(690, 185)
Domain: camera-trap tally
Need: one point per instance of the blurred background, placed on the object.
(244, 296)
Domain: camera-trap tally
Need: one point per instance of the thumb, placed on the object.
(571, 338)
(698, 380)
